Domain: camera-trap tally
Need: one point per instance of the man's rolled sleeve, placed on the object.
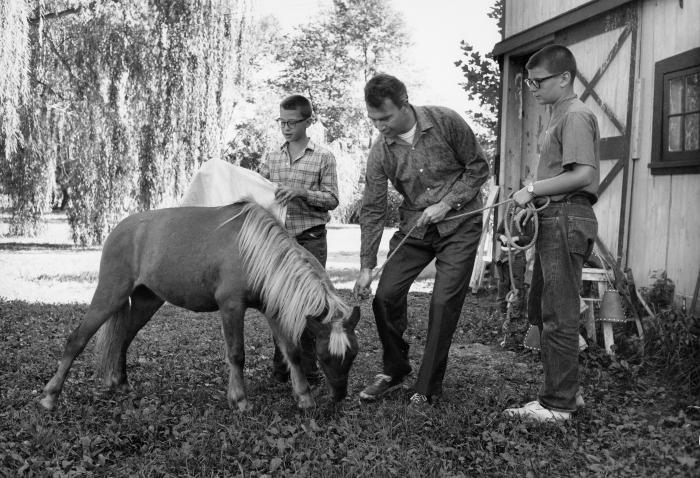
(469, 153)
(373, 211)
(326, 198)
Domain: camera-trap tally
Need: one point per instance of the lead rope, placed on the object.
(508, 222)
(407, 235)
(530, 207)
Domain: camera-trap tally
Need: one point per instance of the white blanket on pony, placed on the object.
(218, 183)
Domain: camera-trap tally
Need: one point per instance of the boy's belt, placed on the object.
(312, 232)
(579, 197)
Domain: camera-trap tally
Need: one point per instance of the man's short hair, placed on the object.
(555, 59)
(382, 86)
(299, 102)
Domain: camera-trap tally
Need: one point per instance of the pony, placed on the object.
(205, 259)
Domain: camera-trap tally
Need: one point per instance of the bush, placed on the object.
(393, 200)
(661, 292)
(669, 344)
(247, 146)
(671, 347)
(349, 164)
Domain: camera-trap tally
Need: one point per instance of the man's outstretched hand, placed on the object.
(362, 289)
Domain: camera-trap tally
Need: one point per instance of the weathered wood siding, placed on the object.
(661, 225)
(612, 89)
(664, 229)
(523, 14)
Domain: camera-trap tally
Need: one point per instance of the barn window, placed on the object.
(676, 127)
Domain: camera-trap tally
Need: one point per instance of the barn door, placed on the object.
(605, 50)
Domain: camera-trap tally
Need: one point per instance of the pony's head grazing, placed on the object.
(336, 348)
(294, 289)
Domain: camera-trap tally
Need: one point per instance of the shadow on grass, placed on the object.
(38, 246)
(87, 276)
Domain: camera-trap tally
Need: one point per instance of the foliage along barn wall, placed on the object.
(647, 210)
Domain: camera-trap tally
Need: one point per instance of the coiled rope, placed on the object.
(510, 220)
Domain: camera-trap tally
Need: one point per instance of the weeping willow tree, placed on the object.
(184, 107)
(14, 58)
(23, 176)
(127, 99)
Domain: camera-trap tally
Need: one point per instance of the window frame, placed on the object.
(662, 161)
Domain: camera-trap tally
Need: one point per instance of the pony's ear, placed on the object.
(354, 318)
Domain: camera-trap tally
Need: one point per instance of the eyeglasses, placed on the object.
(290, 123)
(535, 83)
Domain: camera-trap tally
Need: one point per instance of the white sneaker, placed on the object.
(535, 411)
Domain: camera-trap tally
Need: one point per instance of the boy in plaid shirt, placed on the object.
(308, 185)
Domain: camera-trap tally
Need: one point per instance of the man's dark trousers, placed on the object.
(454, 260)
(314, 241)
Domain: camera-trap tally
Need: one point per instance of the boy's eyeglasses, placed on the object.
(290, 123)
(535, 83)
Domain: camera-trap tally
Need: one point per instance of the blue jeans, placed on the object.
(566, 236)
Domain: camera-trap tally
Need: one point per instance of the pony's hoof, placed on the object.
(244, 405)
(48, 402)
(306, 402)
(118, 385)
(124, 387)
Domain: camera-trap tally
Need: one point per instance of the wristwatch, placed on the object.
(531, 189)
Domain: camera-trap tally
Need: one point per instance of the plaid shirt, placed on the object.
(444, 163)
(314, 171)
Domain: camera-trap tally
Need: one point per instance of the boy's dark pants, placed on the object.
(314, 241)
(454, 256)
(567, 232)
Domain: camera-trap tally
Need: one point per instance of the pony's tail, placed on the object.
(108, 348)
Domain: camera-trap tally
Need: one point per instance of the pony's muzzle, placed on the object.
(338, 389)
(340, 395)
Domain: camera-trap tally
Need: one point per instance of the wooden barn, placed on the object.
(639, 71)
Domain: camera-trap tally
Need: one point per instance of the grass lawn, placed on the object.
(176, 421)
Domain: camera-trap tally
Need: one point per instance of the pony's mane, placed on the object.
(291, 284)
